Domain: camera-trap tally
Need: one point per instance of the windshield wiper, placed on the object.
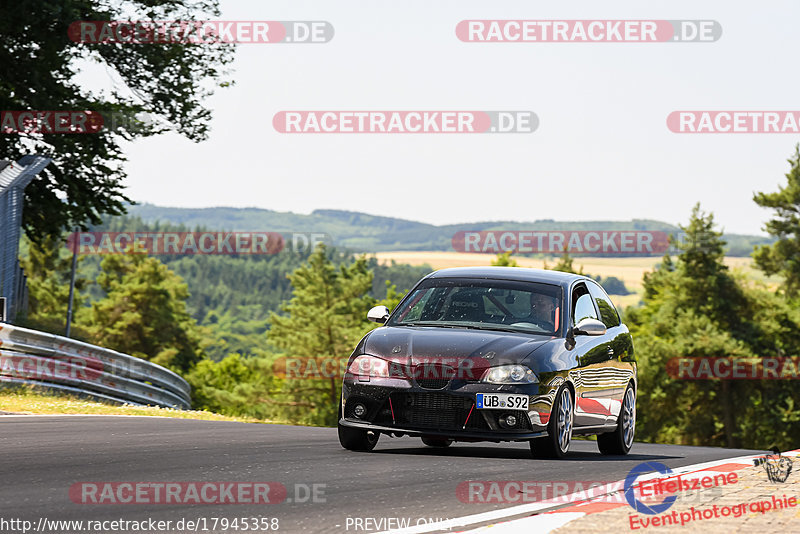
(472, 326)
(500, 328)
(432, 323)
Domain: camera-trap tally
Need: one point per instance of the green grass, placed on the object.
(27, 402)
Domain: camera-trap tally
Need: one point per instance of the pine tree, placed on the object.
(324, 319)
(783, 256)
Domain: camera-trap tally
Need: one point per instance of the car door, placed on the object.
(619, 367)
(592, 356)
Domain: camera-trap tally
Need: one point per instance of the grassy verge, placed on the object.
(25, 401)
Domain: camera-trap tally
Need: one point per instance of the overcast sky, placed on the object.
(602, 149)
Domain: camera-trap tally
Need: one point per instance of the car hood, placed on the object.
(410, 345)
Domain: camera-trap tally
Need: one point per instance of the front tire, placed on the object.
(559, 428)
(619, 441)
(356, 439)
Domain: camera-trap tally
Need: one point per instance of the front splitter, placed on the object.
(454, 435)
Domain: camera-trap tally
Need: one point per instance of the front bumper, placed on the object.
(398, 406)
(459, 436)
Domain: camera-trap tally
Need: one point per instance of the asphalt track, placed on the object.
(41, 457)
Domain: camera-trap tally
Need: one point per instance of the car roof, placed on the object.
(522, 274)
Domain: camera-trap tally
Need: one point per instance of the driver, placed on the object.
(543, 309)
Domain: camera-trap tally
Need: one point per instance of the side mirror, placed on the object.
(378, 314)
(589, 327)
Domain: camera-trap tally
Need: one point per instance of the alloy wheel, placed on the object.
(564, 421)
(629, 417)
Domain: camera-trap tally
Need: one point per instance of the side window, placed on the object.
(608, 314)
(582, 306)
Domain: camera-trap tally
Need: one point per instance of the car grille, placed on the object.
(431, 376)
(433, 383)
(433, 410)
(440, 411)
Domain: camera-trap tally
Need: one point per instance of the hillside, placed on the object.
(361, 232)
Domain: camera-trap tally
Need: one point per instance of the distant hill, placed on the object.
(361, 232)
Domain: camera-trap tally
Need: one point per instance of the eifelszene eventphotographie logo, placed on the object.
(777, 467)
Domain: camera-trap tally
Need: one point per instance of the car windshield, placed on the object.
(482, 304)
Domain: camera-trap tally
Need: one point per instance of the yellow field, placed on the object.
(630, 270)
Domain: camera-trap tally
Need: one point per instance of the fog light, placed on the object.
(508, 421)
(359, 410)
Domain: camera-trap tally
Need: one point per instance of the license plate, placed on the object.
(499, 401)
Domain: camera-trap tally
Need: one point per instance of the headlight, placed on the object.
(365, 366)
(510, 374)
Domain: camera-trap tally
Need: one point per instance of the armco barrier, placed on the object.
(36, 358)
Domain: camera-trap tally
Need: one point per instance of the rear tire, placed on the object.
(619, 441)
(559, 428)
(440, 443)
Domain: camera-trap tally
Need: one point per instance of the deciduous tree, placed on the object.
(143, 313)
(40, 64)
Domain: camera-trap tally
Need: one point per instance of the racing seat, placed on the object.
(467, 306)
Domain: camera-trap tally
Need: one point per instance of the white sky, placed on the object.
(602, 149)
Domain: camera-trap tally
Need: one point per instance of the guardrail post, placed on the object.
(72, 284)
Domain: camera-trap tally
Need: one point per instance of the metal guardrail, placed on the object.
(36, 358)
